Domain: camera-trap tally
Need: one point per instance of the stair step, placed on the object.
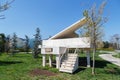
(69, 70)
(65, 70)
(68, 65)
(71, 57)
(68, 62)
(72, 54)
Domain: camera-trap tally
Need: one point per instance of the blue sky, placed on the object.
(52, 16)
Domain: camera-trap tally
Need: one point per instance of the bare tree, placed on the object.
(95, 21)
(4, 6)
(115, 41)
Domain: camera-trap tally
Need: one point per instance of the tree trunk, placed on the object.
(93, 66)
(94, 51)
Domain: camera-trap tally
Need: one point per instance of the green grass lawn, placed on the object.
(18, 67)
(117, 56)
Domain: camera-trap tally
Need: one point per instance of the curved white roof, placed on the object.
(69, 32)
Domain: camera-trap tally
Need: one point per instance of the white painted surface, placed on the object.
(70, 64)
(44, 61)
(57, 61)
(69, 32)
(50, 60)
(56, 50)
(62, 40)
(69, 43)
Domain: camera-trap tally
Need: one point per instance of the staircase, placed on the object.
(69, 63)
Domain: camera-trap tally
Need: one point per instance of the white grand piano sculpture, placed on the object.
(65, 46)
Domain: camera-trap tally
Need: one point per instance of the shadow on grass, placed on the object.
(26, 56)
(108, 67)
(83, 64)
(101, 63)
(82, 61)
(78, 70)
(20, 55)
(5, 63)
(98, 63)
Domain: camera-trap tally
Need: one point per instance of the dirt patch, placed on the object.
(38, 72)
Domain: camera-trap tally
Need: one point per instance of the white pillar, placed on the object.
(88, 58)
(43, 59)
(50, 60)
(57, 61)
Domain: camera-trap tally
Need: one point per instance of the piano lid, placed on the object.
(69, 32)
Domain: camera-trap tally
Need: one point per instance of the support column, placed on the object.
(50, 60)
(43, 59)
(88, 58)
(57, 61)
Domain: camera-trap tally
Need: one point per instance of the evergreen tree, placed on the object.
(4, 5)
(7, 44)
(27, 47)
(2, 42)
(106, 44)
(14, 43)
(37, 42)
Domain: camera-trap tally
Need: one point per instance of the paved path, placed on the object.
(110, 58)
